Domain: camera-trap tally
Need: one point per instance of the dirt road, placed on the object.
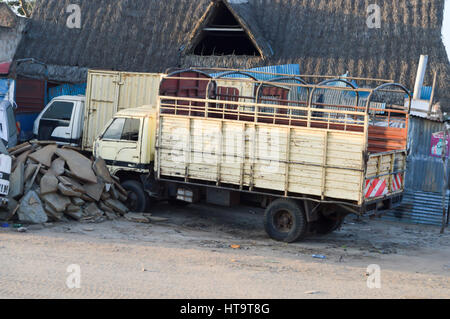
(190, 256)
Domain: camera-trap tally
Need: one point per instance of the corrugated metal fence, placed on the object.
(420, 208)
(422, 201)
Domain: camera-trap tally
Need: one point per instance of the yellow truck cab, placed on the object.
(127, 144)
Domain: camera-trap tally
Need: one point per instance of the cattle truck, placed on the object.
(310, 153)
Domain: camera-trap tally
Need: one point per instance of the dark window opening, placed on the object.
(224, 35)
(59, 111)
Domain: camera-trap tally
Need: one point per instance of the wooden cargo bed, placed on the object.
(303, 148)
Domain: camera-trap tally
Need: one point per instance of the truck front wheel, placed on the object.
(137, 199)
(285, 220)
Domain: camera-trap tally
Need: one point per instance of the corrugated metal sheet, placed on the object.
(66, 89)
(288, 69)
(422, 201)
(420, 208)
(424, 171)
(109, 92)
(426, 93)
(30, 95)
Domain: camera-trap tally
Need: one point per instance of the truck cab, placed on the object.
(61, 121)
(127, 144)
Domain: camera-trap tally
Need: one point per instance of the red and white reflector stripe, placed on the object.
(375, 188)
(397, 182)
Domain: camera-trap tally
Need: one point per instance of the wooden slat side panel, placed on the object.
(385, 171)
(255, 155)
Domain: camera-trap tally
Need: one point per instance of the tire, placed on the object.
(285, 220)
(137, 198)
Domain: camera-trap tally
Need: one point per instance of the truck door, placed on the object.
(119, 145)
(56, 123)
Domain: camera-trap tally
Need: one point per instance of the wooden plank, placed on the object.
(253, 156)
(219, 155)
(288, 159)
(325, 162)
(243, 144)
(188, 153)
(391, 171)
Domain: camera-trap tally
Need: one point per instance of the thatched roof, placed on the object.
(11, 27)
(8, 18)
(323, 36)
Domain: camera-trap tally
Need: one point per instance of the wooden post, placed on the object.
(324, 165)
(288, 161)
(444, 183)
(220, 154)
(430, 107)
(242, 158)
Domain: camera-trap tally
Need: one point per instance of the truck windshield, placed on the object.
(59, 111)
(123, 129)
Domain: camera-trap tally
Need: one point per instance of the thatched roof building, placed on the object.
(11, 27)
(322, 36)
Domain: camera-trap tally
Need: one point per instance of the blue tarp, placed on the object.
(66, 89)
(426, 93)
(4, 87)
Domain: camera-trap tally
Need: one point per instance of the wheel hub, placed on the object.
(283, 221)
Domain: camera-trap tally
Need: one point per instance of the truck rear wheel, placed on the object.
(137, 199)
(285, 220)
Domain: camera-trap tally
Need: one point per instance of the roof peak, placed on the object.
(234, 16)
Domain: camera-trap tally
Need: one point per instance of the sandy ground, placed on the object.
(189, 256)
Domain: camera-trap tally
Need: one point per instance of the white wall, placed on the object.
(446, 27)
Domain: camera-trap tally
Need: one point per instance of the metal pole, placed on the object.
(444, 184)
(420, 76)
